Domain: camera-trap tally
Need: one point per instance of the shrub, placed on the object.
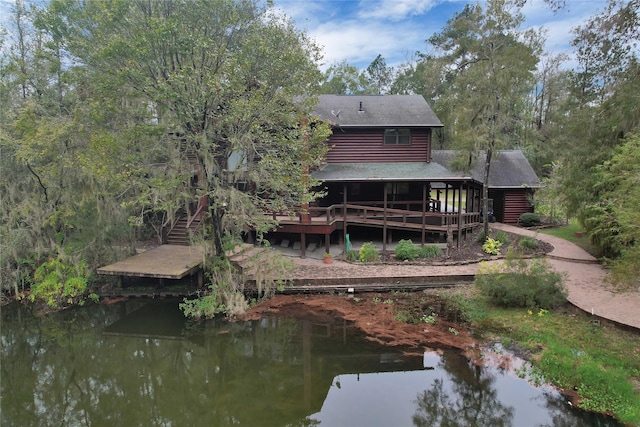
(518, 283)
(352, 255)
(57, 281)
(503, 237)
(204, 307)
(492, 246)
(527, 243)
(430, 251)
(406, 250)
(530, 219)
(369, 253)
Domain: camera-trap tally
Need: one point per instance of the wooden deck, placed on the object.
(163, 262)
(326, 220)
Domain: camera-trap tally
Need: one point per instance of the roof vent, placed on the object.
(360, 109)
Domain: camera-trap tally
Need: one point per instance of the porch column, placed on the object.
(459, 213)
(446, 198)
(384, 221)
(424, 210)
(344, 218)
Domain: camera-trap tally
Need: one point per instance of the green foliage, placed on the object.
(57, 282)
(598, 361)
(518, 283)
(353, 256)
(205, 306)
(530, 219)
(503, 237)
(430, 251)
(368, 253)
(527, 243)
(406, 250)
(612, 222)
(492, 246)
(429, 319)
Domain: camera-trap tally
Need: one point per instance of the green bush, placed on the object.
(430, 251)
(369, 253)
(406, 250)
(518, 283)
(503, 237)
(527, 243)
(57, 282)
(492, 246)
(530, 219)
(352, 256)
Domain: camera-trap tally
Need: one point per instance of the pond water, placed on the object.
(141, 363)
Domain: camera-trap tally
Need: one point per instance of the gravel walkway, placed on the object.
(584, 277)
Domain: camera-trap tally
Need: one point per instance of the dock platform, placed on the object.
(162, 262)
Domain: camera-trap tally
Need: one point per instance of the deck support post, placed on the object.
(384, 222)
(303, 245)
(446, 198)
(424, 210)
(459, 213)
(327, 242)
(344, 219)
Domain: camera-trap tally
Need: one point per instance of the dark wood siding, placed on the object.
(367, 146)
(516, 202)
(509, 204)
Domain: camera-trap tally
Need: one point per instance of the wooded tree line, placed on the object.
(494, 87)
(100, 101)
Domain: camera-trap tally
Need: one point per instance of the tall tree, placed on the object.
(343, 79)
(379, 76)
(605, 93)
(146, 87)
(490, 65)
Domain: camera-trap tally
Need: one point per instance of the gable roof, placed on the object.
(509, 168)
(376, 111)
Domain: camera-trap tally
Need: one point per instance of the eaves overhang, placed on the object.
(396, 172)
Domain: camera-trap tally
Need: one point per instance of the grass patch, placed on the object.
(568, 232)
(599, 361)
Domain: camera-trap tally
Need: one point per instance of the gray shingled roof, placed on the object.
(509, 168)
(357, 172)
(377, 111)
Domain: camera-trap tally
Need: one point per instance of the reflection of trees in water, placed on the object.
(61, 370)
(561, 417)
(470, 399)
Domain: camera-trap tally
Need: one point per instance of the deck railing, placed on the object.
(361, 213)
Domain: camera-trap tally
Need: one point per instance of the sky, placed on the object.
(358, 30)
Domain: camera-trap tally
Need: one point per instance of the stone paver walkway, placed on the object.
(584, 277)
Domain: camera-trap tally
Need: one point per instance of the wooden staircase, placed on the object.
(182, 230)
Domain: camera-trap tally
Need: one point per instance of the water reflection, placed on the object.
(140, 363)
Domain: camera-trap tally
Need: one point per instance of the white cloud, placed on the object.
(358, 30)
(359, 43)
(394, 10)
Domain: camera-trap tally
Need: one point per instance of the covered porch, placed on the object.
(423, 198)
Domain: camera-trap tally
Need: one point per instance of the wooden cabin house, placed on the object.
(379, 171)
(383, 179)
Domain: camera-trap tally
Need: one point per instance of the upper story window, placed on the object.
(397, 136)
